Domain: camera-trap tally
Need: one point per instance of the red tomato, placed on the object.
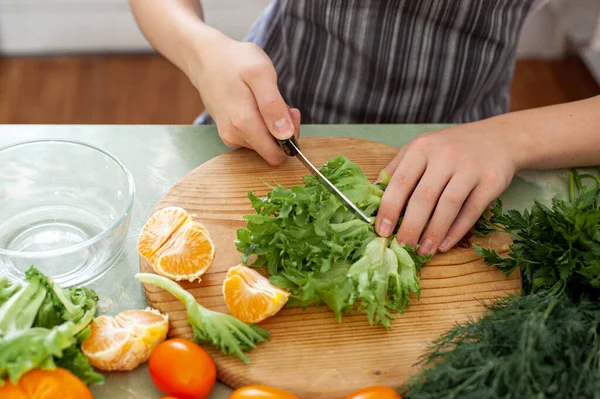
(261, 392)
(374, 392)
(183, 369)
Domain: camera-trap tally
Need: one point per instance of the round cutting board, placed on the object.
(310, 353)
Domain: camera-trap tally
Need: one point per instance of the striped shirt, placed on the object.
(392, 61)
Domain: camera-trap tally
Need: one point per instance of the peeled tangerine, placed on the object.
(250, 297)
(175, 245)
(124, 342)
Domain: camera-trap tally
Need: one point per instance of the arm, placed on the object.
(560, 136)
(237, 81)
(449, 177)
(175, 29)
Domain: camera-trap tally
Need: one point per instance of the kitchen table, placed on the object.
(158, 156)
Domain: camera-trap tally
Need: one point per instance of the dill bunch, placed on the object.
(541, 345)
(537, 346)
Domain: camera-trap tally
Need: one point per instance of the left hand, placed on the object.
(447, 178)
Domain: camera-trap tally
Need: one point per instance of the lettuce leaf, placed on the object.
(318, 250)
(42, 325)
(230, 335)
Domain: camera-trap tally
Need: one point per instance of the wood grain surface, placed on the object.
(310, 353)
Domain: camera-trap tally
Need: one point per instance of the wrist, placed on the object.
(513, 136)
(197, 49)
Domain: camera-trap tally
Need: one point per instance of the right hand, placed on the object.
(238, 85)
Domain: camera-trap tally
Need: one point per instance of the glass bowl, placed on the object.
(65, 208)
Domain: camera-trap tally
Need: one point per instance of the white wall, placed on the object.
(42, 26)
(45, 26)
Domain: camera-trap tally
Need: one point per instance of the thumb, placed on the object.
(271, 105)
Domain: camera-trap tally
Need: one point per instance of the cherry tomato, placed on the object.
(182, 369)
(261, 392)
(374, 392)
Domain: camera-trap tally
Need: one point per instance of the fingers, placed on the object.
(449, 205)
(472, 209)
(232, 138)
(407, 173)
(257, 137)
(391, 167)
(246, 127)
(272, 107)
(422, 203)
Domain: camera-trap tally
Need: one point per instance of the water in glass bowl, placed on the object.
(64, 208)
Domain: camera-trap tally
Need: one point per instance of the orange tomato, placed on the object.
(182, 369)
(261, 392)
(46, 384)
(374, 392)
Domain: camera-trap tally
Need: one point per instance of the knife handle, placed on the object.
(288, 146)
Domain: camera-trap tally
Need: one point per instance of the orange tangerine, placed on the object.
(175, 245)
(159, 228)
(107, 344)
(58, 383)
(125, 341)
(250, 297)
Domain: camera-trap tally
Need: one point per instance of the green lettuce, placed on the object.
(42, 326)
(318, 250)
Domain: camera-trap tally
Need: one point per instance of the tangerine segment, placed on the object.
(187, 255)
(125, 341)
(149, 328)
(159, 228)
(107, 343)
(59, 383)
(250, 297)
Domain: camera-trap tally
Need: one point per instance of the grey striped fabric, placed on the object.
(392, 61)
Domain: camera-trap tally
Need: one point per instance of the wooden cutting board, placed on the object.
(310, 353)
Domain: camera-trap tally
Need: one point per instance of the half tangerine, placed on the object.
(250, 297)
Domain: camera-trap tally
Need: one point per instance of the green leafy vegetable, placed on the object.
(384, 277)
(42, 326)
(546, 343)
(19, 311)
(76, 305)
(534, 346)
(224, 331)
(32, 348)
(74, 360)
(554, 246)
(314, 247)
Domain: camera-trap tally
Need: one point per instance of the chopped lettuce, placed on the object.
(384, 278)
(42, 326)
(316, 248)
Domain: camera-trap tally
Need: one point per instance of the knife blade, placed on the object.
(291, 149)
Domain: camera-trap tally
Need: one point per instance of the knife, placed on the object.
(291, 149)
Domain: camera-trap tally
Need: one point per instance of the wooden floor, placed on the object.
(147, 89)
